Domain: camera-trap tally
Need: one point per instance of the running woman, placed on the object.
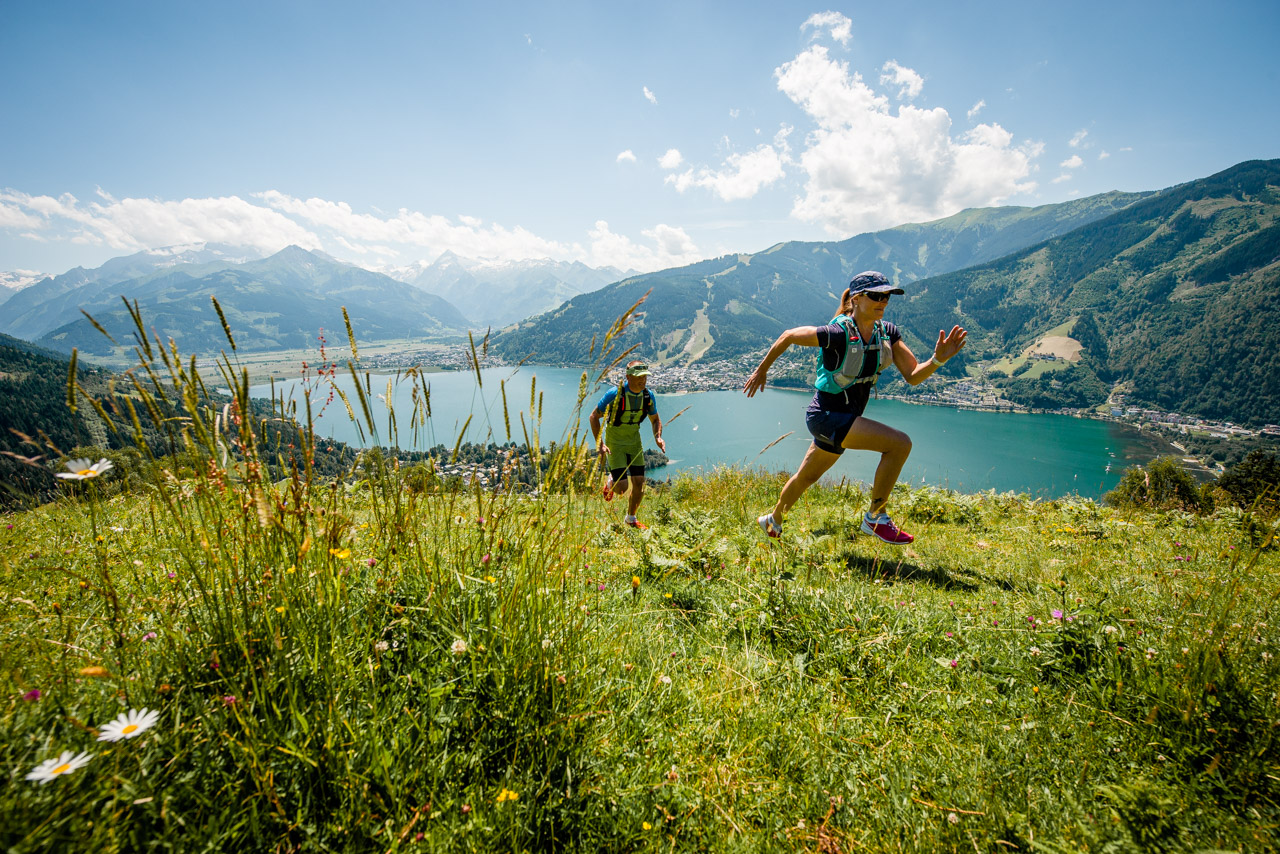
(853, 349)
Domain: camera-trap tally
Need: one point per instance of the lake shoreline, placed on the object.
(958, 448)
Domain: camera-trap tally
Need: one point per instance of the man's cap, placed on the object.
(873, 282)
(638, 370)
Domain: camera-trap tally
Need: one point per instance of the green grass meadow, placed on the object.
(356, 665)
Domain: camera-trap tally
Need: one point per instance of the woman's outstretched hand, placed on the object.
(949, 344)
(755, 381)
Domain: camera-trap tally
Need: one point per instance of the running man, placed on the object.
(621, 410)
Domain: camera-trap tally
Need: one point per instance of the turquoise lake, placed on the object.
(1042, 455)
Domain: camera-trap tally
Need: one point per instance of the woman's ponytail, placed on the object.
(846, 302)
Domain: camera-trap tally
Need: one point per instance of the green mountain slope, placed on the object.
(279, 302)
(33, 401)
(725, 307)
(1182, 285)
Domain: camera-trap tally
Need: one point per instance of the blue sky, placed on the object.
(641, 135)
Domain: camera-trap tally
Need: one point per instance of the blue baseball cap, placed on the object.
(873, 282)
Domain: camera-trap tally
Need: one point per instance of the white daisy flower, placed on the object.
(129, 725)
(82, 470)
(53, 768)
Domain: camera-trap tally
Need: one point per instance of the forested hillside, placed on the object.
(33, 400)
(1183, 288)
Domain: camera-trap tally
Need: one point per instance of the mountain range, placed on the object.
(1177, 291)
(43, 306)
(272, 301)
(279, 302)
(729, 306)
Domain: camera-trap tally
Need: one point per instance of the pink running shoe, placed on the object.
(770, 527)
(882, 528)
(608, 492)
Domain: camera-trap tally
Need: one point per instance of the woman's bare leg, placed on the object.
(894, 447)
(815, 464)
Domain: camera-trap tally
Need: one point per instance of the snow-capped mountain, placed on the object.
(16, 280)
(13, 281)
(500, 293)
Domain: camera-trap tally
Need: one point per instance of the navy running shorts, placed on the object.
(829, 429)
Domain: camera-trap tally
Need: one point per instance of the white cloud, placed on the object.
(1103, 154)
(733, 114)
(1065, 176)
(672, 159)
(780, 142)
(1075, 161)
(649, 96)
(975, 109)
(840, 27)
(672, 248)
(869, 167)
(908, 82)
(627, 156)
(1078, 140)
(135, 224)
(12, 216)
(469, 236)
(742, 177)
(273, 220)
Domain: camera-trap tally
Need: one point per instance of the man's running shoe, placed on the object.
(608, 491)
(882, 528)
(637, 524)
(770, 527)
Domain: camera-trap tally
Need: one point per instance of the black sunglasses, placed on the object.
(874, 296)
